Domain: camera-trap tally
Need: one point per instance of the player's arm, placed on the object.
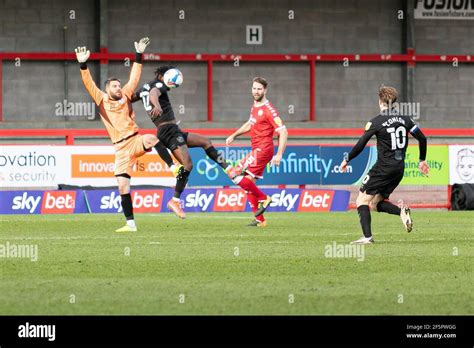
(242, 130)
(370, 130)
(136, 71)
(154, 100)
(282, 140)
(82, 55)
(280, 128)
(135, 97)
(422, 145)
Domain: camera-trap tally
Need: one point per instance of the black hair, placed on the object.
(162, 69)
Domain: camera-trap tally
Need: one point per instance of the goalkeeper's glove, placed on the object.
(82, 54)
(141, 45)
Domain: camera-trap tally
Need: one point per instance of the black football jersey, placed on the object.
(164, 100)
(391, 131)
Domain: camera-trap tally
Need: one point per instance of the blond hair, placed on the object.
(388, 95)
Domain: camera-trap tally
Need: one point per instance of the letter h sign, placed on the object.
(254, 35)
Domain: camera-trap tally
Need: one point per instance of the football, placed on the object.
(173, 78)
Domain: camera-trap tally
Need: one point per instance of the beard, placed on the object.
(258, 98)
(116, 96)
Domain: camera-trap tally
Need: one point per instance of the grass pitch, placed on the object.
(214, 264)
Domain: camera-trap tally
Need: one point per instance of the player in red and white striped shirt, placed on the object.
(263, 123)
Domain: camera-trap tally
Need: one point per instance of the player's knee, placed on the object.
(150, 140)
(361, 201)
(207, 144)
(373, 206)
(153, 140)
(124, 189)
(251, 178)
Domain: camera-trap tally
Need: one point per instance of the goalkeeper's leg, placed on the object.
(127, 205)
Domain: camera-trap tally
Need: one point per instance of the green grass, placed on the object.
(80, 255)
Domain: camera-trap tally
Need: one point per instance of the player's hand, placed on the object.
(275, 160)
(82, 54)
(229, 140)
(424, 168)
(141, 45)
(343, 166)
(156, 112)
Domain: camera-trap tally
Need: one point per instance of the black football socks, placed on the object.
(181, 182)
(164, 154)
(365, 220)
(387, 207)
(216, 157)
(127, 206)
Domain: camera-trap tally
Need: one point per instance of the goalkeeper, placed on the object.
(115, 109)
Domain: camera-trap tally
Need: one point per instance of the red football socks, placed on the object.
(249, 186)
(253, 201)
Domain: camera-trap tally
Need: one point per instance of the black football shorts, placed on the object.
(171, 136)
(382, 180)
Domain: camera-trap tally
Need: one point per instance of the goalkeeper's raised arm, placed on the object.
(136, 71)
(82, 55)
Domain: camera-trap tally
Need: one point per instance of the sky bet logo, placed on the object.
(144, 201)
(48, 202)
(284, 200)
(207, 200)
(200, 200)
(316, 200)
(58, 202)
(230, 200)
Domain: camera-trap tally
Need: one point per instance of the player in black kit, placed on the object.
(154, 96)
(391, 131)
